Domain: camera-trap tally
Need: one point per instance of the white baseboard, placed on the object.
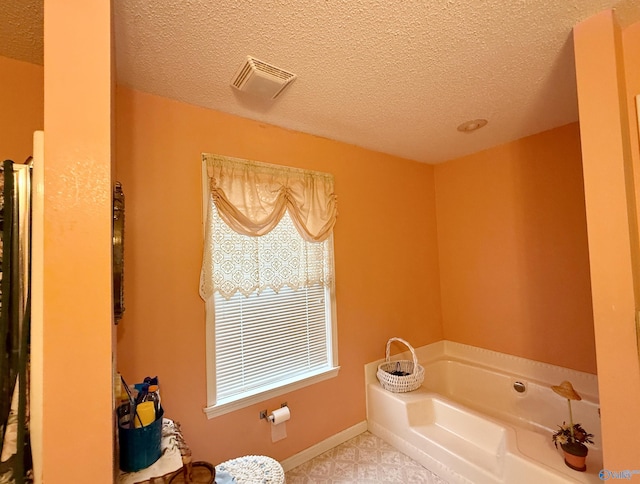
(325, 445)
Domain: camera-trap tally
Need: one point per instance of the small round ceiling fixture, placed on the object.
(473, 125)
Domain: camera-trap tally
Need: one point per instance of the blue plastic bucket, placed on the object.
(139, 448)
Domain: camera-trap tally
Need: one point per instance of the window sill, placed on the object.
(228, 406)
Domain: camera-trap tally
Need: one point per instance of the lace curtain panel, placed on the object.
(267, 227)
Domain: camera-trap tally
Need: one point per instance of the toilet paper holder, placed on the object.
(264, 414)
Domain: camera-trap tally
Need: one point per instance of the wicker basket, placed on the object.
(201, 473)
(402, 375)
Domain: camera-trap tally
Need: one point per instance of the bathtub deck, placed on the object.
(449, 442)
(463, 446)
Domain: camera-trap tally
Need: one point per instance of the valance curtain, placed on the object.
(252, 197)
(254, 214)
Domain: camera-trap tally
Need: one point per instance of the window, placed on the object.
(269, 297)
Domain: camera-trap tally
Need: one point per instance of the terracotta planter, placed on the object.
(575, 455)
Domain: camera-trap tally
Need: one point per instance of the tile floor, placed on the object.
(365, 459)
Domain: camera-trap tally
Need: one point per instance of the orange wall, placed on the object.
(21, 107)
(77, 355)
(600, 50)
(385, 253)
(513, 250)
(630, 40)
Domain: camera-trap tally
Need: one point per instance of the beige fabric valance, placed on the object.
(251, 197)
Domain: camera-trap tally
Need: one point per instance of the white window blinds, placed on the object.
(280, 336)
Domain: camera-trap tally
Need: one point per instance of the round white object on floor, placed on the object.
(253, 469)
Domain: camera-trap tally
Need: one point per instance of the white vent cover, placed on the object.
(260, 78)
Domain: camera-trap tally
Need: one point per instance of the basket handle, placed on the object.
(413, 353)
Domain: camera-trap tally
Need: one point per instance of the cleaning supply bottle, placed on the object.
(145, 414)
(153, 395)
(142, 393)
(124, 410)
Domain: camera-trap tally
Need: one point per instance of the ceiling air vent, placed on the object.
(262, 79)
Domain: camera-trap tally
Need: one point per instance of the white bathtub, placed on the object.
(468, 424)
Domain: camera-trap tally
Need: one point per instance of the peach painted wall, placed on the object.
(513, 250)
(631, 39)
(631, 60)
(600, 50)
(385, 253)
(21, 107)
(77, 355)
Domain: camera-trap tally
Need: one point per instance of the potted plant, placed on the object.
(572, 438)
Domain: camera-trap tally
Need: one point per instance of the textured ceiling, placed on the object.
(396, 76)
(21, 30)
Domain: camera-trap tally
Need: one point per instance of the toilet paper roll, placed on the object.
(280, 415)
(278, 420)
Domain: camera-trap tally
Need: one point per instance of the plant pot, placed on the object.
(575, 455)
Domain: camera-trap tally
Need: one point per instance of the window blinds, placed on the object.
(268, 338)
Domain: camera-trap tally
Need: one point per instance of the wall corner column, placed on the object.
(78, 429)
(610, 212)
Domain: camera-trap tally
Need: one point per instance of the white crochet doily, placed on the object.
(254, 469)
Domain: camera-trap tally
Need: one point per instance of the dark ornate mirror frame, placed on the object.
(118, 252)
